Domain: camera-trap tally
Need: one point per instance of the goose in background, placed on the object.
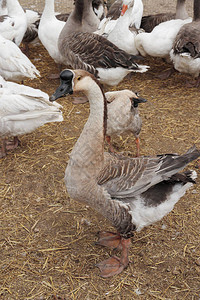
(185, 53)
(48, 32)
(22, 110)
(131, 193)
(121, 35)
(14, 25)
(123, 115)
(159, 41)
(33, 18)
(14, 65)
(86, 50)
(149, 22)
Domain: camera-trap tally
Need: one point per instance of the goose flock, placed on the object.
(94, 47)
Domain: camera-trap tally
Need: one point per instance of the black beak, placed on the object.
(136, 101)
(64, 89)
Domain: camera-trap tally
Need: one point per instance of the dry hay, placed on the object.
(47, 241)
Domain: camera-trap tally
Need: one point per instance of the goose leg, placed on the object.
(108, 140)
(115, 265)
(14, 144)
(3, 149)
(137, 141)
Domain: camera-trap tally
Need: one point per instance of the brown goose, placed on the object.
(123, 115)
(185, 53)
(85, 50)
(149, 22)
(130, 192)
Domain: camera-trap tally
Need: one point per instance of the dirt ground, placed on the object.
(47, 241)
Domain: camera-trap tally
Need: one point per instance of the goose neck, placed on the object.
(181, 12)
(48, 11)
(196, 8)
(89, 149)
(14, 8)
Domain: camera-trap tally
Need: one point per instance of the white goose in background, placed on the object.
(14, 65)
(185, 53)
(159, 41)
(150, 21)
(49, 30)
(131, 193)
(14, 25)
(121, 35)
(22, 110)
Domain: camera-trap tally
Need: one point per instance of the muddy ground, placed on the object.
(47, 241)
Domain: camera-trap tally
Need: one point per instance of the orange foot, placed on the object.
(110, 267)
(109, 239)
(115, 265)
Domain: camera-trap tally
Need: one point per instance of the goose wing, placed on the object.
(188, 40)
(126, 177)
(97, 52)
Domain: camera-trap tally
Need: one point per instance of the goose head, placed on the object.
(126, 5)
(73, 81)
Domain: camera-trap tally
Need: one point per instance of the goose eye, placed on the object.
(79, 77)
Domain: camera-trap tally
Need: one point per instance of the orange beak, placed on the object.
(124, 9)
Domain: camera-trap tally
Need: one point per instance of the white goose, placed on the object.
(13, 26)
(22, 110)
(186, 48)
(159, 41)
(49, 30)
(14, 65)
(86, 50)
(121, 35)
(129, 192)
(149, 22)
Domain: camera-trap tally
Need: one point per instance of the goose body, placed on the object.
(23, 109)
(185, 53)
(49, 30)
(149, 22)
(159, 41)
(94, 53)
(14, 65)
(130, 192)
(121, 35)
(13, 26)
(123, 115)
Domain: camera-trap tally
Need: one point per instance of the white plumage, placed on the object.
(23, 109)
(14, 25)
(14, 65)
